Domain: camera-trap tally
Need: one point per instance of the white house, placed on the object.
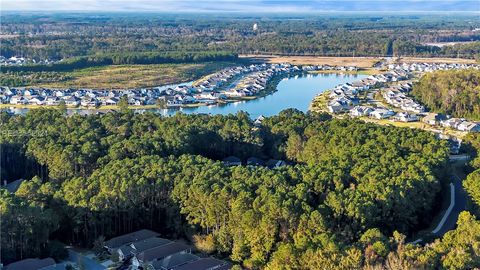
(406, 117)
(359, 111)
(381, 113)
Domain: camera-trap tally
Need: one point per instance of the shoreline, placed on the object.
(270, 89)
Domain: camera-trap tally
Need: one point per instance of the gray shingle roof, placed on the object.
(174, 261)
(202, 264)
(159, 253)
(149, 243)
(129, 238)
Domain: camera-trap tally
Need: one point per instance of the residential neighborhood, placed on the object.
(20, 61)
(230, 83)
(357, 99)
(142, 249)
(239, 135)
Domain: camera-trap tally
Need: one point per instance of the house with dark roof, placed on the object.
(173, 261)
(149, 243)
(127, 251)
(204, 264)
(13, 186)
(113, 244)
(275, 163)
(159, 253)
(33, 264)
(253, 161)
(232, 161)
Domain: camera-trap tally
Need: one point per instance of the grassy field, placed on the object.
(132, 76)
(362, 62)
(436, 60)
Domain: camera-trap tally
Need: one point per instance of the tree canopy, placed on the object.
(349, 186)
(455, 92)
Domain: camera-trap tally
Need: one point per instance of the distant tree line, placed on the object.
(352, 35)
(127, 58)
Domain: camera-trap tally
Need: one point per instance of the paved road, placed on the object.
(450, 217)
(459, 205)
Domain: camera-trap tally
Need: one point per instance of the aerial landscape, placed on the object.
(213, 135)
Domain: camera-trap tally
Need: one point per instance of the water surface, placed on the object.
(294, 92)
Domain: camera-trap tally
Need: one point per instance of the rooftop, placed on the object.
(119, 241)
(162, 252)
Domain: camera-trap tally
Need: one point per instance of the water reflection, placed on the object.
(293, 92)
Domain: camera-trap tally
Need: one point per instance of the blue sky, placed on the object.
(243, 5)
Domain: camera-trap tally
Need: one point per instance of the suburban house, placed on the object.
(113, 244)
(205, 264)
(232, 161)
(406, 117)
(359, 111)
(434, 118)
(127, 251)
(112, 101)
(89, 102)
(253, 161)
(336, 107)
(452, 123)
(144, 250)
(159, 253)
(396, 97)
(13, 186)
(381, 113)
(275, 163)
(34, 264)
(18, 100)
(258, 121)
(172, 262)
(52, 101)
(72, 101)
(469, 126)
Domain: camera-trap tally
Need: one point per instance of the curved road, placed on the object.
(459, 204)
(458, 201)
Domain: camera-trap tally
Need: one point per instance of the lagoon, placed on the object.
(293, 92)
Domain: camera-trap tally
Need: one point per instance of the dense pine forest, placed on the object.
(126, 58)
(454, 92)
(61, 36)
(349, 196)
